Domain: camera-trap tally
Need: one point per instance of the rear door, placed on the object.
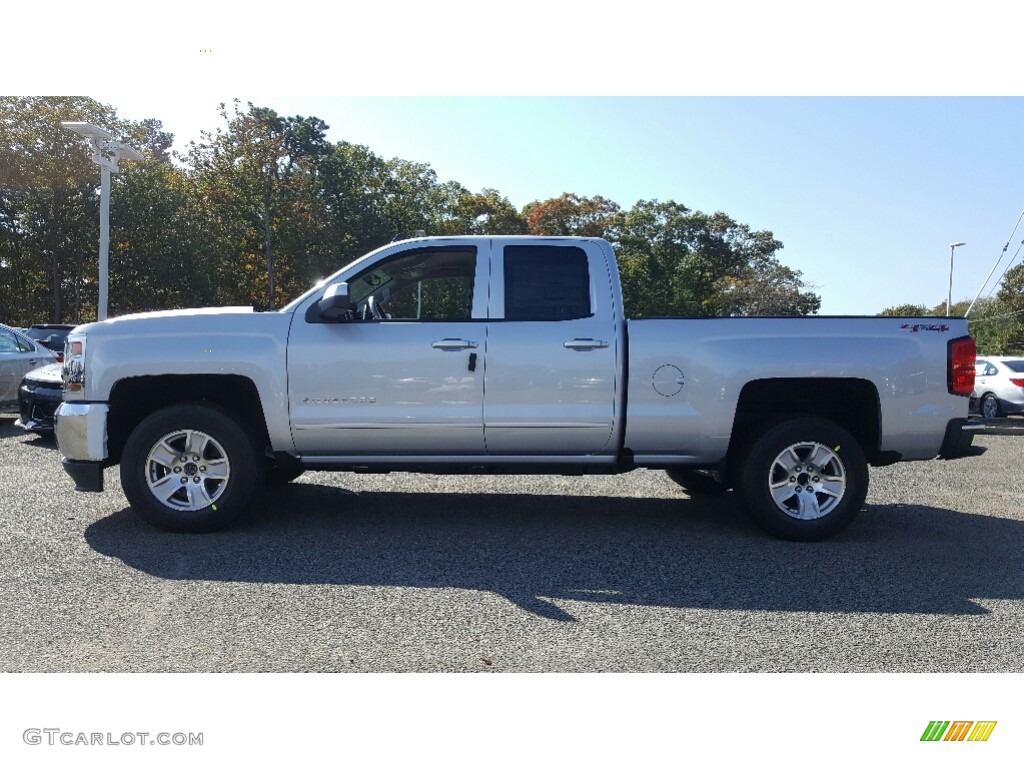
(552, 349)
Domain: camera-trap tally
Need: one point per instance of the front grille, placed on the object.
(43, 411)
(37, 402)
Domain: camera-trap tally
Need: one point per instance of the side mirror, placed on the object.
(336, 304)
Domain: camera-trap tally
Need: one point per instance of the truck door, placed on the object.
(404, 375)
(552, 349)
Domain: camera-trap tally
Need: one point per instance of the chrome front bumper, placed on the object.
(81, 430)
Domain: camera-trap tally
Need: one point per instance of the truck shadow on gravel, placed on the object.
(675, 553)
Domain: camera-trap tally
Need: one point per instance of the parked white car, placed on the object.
(998, 386)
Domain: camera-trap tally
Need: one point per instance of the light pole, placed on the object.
(949, 296)
(106, 153)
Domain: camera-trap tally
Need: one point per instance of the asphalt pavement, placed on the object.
(411, 573)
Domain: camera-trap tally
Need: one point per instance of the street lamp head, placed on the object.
(123, 151)
(106, 152)
(956, 245)
(89, 131)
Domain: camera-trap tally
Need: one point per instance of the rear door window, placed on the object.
(546, 283)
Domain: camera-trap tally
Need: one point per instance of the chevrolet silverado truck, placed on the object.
(506, 354)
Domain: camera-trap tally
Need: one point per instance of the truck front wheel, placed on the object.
(804, 479)
(190, 467)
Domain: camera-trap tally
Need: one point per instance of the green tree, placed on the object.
(675, 261)
(1006, 313)
(906, 310)
(478, 213)
(159, 252)
(409, 199)
(766, 289)
(572, 214)
(993, 325)
(352, 180)
(259, 180)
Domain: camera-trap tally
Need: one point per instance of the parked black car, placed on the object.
(50, 335)
(38, 397)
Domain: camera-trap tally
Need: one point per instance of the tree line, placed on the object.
(259, 209)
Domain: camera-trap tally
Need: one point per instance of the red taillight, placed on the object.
(961, 366)
(1017, 382)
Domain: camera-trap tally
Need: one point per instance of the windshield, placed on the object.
(51, 338)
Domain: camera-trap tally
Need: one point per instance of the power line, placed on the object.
(990, 271)
(987, 318)
(1007, 267)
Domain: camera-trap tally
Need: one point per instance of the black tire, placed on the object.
(697, 481)
(990, 407)
(202, 489)
(278, 475)
(818, 473)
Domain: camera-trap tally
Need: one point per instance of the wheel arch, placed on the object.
(851, 403)
(133, 399)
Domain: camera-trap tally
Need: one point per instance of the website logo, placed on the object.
(958, 730)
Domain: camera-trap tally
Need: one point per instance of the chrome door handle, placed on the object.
(448, 344)
(585, 344)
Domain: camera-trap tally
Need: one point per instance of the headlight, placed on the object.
(73, 372)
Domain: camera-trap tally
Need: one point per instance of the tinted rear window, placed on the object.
(546, 283)
(1017, 366)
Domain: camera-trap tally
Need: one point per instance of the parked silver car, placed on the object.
(998, 386)
(18, 355)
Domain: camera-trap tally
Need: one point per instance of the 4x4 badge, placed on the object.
(915, 327)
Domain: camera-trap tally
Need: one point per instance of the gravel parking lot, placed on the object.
(401, 572)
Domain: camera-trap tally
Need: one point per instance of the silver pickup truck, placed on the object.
(506, 354)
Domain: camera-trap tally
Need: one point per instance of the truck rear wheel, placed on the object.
(804, 479)
(190, 467)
